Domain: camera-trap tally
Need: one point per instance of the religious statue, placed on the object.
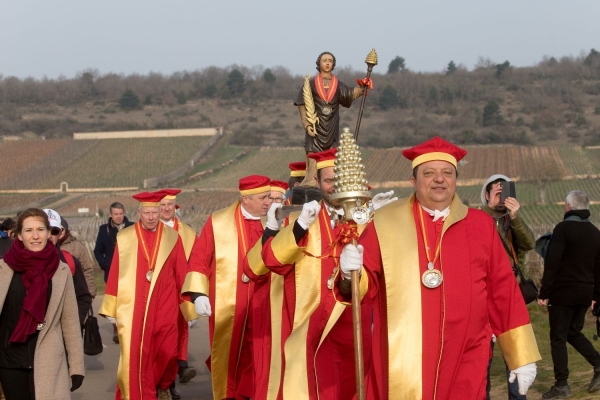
(318, 102)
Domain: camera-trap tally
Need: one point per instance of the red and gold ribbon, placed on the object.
(326, 94)
(151, 261)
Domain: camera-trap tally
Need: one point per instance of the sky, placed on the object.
(42, 38)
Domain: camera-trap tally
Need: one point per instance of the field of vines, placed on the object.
(94, 163)
(272, 162)
(9, 200)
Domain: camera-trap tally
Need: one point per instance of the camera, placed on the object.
(508, 190)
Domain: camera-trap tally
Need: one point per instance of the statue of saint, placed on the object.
(318, 102)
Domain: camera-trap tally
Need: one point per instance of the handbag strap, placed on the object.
(90, 312)
(512, 253)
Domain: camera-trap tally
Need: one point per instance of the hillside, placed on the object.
(553, 102)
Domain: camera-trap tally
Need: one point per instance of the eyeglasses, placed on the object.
(55, 231)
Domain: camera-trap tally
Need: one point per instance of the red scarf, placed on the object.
(36, 269)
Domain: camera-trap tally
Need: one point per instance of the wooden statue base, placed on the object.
(304, 194)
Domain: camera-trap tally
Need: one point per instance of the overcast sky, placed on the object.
(52, 37)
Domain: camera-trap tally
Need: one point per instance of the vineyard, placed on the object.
(8, 200)
(269, 161)
(92, 163)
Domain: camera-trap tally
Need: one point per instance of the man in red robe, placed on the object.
(216, 263)
(142, 299)
(316, 336)
(440, 287)
(168, 206)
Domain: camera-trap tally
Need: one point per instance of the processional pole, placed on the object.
(371, 61)
(352, 194)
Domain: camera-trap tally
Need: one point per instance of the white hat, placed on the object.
(53, 217)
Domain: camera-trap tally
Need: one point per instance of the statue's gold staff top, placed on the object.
(350, 181)
(371, 58)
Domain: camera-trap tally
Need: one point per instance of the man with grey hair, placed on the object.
(570, 284)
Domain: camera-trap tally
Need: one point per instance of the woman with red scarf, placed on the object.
(41, 352)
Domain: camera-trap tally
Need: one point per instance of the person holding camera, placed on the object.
(570, 284)
(516, 236)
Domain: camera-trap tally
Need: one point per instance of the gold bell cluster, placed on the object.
(349, 170)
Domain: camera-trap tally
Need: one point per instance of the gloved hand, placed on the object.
(351, 259)
(192, 323)
(111, 320)
(381, 199)
(76, 381)
(525, 375)
(310, 212)
(272, 222)
(202, 305)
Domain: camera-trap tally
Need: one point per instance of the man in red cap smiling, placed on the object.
(216, 263)
(441, 283)
(143, 300)
(311, 338)
(168, 207)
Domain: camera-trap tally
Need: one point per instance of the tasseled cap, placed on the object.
(433, 150)
(170, 194)
(254, 184)
(325, 158)
(297, 169)
(279, 186)
(149, 199)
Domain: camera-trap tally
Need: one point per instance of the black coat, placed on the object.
(572, 266)
(82, 293)
(105, 245)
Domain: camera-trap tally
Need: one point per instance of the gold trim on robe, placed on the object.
(109, 306)
(402, 283)
(226, 258)
(195, 282)
(188, 237)
(519, 347)
(255, 261)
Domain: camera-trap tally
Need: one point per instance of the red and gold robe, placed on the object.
(146, 312)
(216, 265)
(188, 237)
(316, 332)
(266, 307)
(435, 343)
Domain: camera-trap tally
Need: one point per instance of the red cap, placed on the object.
(325, 158)
(279, 186)
(149, 199)
(170, 194)
(254, 184)
(434, 149)
(177, 206)
(297, 169)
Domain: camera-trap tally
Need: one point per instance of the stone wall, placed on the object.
(148, 134)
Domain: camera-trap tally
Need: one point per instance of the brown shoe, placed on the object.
(186, 374)
(164, 394)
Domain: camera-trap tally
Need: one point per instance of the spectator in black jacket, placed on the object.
(106, 241)
(107, 237)
(570, 284)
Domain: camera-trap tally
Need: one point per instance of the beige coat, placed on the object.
(79, 251)
(59, 340)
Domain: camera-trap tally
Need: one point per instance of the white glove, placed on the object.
(381, 199)
(351, 259)
(111, 320)
(202, 305)
(193, 323)
(309, 213)
(525, 375)
(272, 222)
